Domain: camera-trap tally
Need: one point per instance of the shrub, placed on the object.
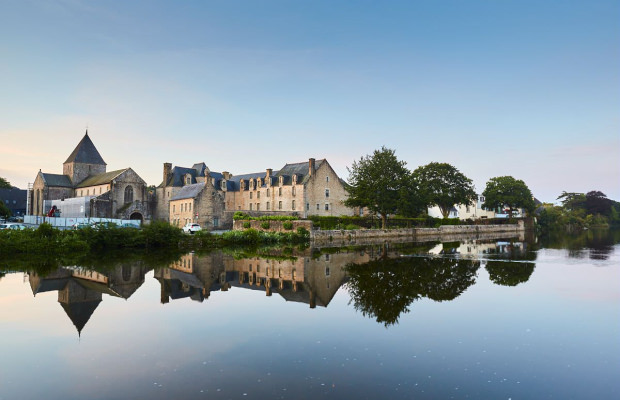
(302, 231)
(247, 225)
(287, 225)
(264, 225)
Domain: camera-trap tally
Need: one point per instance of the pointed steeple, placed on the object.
(85, 153)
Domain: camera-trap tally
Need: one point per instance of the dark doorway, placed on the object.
(136, 216)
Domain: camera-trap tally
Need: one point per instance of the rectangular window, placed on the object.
(293, 190)
(317, 206)
(293, 204)
(267, 192)
(250, 206)
(250, 194)
(326, 192)
(326, 206)
(258, 195)
(216, 221)
(174, 208)
(279, 205)
(257, 206)
(268, 206)
(307, 206)
(190, 206)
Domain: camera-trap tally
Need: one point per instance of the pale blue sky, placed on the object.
(523, 88)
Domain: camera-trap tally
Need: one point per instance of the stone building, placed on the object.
(116, 194)
(210, 198)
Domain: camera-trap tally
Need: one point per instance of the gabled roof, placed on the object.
(85, 152)
(56, 180)
(300, 169)
(188, 191)
(233, 182)
(101, 178)
(176, 177)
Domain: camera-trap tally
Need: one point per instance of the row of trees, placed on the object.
(383, 184)
(579, 211)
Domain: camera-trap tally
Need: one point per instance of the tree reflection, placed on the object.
(384, 289)
(509, 273)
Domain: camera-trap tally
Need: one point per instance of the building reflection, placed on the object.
(383, 280)
(80, 290)
(308, 277)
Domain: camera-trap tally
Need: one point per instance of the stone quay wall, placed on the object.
(414, 233)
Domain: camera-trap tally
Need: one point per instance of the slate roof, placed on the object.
(189, 191)
(14, 195)
(56, 180)
(80, 313)
(300, 169)
(101, 178)
(233, 182)
(85, 152)
(176, 177)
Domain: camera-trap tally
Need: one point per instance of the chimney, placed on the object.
(226, 175)
(311, 166)
(167, 172)
(269, 172)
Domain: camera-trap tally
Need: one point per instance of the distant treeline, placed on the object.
(579, 211)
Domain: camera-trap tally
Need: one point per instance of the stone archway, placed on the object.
(136, 215)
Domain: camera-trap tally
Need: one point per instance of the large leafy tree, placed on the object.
(506, 191)
(598, 203)
(444, 186)
(376, 182)
(4, 184)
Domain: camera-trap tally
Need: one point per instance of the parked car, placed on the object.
(191, 228)
(12, 226)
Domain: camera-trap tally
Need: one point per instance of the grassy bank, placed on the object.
(48, 241)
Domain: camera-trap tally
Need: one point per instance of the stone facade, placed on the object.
(299, 189)
(116, 194)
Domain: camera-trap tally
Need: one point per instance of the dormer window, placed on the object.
(281, 180)
(223, 184)
(295, 179)
(188, 179)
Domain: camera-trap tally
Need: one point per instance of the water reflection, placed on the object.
(80, 290)
(384, 289)
(383, 280)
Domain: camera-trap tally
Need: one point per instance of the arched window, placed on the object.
(129, 194)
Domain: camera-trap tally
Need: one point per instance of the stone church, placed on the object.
(85, 182)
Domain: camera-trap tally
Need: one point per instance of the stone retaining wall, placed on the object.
(414, 233)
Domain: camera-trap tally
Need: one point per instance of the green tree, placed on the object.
(572, 201)
(506, 191)
(376, 182)
(4, 210)
(444, 186)
(4, 184)
(509, 273)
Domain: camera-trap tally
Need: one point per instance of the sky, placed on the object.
(524, 88)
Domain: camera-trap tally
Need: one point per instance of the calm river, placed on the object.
(477, 319)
